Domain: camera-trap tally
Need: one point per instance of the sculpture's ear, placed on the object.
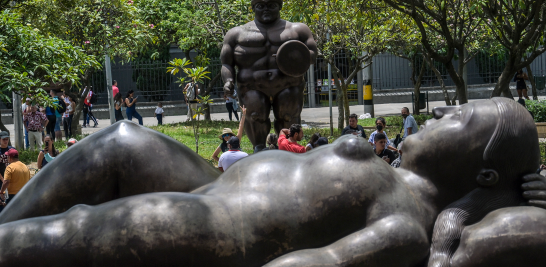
(488, 177)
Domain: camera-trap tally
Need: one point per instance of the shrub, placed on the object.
(538, 108)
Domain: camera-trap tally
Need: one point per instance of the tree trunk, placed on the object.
(532, 80)
(459, 82)
(439, 78)
(417, 89)
(503, 83)
(79, 98)
(339, 100)
(206, 106)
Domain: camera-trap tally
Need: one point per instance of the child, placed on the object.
(159, 113)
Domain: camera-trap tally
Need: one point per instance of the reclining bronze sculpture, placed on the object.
(338, 205)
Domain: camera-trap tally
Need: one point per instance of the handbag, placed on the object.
(398, 139)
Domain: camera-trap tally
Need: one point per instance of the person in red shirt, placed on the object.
(288, 139)
(115, 89)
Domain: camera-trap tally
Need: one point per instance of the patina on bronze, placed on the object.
(339, 205)
(268, 76)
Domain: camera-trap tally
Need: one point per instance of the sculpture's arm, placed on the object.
(466, 211)
(227, 57)
(375, 245)
(306, 36)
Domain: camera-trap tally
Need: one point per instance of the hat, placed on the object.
(12, 152)
(226, 131)
(234, 142)
(28, 99)
(4, 134)
(322, 141)
(256, 1)
(72, 141)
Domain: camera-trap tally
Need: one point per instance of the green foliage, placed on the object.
(31, 61)
(538, 108)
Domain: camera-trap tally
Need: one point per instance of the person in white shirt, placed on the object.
(159, 113)
(232, 155)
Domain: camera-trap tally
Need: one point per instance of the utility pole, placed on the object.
(108, 70)
(330, 81)
(368, 89)
(18, 122)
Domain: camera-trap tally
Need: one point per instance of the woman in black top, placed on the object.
(521, 87)
(118, 102)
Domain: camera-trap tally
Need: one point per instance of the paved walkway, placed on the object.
(318, 116)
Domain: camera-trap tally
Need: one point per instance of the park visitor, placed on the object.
(271, 142)
(68, 115)
(50, 114)
(227, 134)
(191, 91)
(118, 102)
(380, 125)
(288, 139)
(159, 113)
(115, 89)
(71, 142)
(35, 121)
(4, 147)
(396, 163)
(232, 155)
(15, 177)
(311, 144)
(380, 148)
(25, 108)
(321, 142)
(60, 108)
(410, 125)
(130, 111)
(88, 102)
(231, 105)
(353, 127)
(521, 87)
(47, 154)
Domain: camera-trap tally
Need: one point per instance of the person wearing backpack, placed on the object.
(191, 91)
(87, 107)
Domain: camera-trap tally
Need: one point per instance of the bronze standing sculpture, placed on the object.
(338, 205)
(271, 56)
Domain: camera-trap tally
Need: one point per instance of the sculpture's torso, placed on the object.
(254, 55)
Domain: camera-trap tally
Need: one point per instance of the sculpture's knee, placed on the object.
(258, 117)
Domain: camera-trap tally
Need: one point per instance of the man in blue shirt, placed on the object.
(410, 125)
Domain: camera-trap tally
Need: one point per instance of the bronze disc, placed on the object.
(293, 58)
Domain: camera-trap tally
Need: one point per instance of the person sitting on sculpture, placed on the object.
(286, 209)
(263, 83)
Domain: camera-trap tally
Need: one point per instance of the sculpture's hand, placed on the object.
(534, 188)
(228, 88)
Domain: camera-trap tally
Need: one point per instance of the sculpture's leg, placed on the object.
(392, 241)
(505, 237)
(257, 123)
(122, 160)
(287, 106)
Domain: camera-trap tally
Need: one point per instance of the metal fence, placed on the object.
(150, 79)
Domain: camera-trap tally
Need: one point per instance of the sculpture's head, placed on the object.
(267, 11)
(486, 143)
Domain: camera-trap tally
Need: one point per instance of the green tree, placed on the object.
(31, 61)
(100, 27)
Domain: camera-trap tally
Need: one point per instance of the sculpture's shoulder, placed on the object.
(300, 28)
(235, 33)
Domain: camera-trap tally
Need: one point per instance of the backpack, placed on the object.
(61, 108)
(93, 99)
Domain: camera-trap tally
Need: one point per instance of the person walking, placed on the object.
(87, 109)
(118, 103)
(16, 176)
(159, 113)
(35, 122)
(410, 125)
(68, 115)
(232, 155)
(130, 103)
(191, 91)
(521, 87)
(25, 108)
(231, 105)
